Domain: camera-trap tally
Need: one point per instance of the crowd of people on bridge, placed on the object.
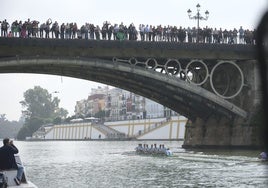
(108, 31)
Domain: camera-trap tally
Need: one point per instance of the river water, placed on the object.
(79, 164)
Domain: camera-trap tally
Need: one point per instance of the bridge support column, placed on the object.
(220, 133)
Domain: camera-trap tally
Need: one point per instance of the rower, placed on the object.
(168, 152)
(263, 155)
(139, 148)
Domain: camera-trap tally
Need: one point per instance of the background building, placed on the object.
(119, 115)
(117, 104)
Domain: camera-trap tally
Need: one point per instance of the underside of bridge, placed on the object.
(187, 99)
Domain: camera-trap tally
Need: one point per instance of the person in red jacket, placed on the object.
(8, 161)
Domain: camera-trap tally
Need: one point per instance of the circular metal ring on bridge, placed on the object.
(132, 61)
(229, 72)
(172, 67)
(114, 59)
(151, 63)
(196, 72)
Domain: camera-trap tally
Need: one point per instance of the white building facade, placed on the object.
(121, 105)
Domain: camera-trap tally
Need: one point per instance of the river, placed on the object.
(79, 164)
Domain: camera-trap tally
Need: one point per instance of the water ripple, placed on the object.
(114, 164)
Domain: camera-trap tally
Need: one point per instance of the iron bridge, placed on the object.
(195, 81)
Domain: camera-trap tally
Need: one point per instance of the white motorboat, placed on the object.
(7, 178)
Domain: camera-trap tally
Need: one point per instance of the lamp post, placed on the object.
(197, 17)
(51, 95)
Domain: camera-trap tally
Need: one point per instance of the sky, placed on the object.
(227, 14)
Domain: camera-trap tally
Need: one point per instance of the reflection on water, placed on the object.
(115, 164)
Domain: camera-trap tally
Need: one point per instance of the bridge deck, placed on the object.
(124, 49)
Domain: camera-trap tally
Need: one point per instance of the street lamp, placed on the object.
(197, 17)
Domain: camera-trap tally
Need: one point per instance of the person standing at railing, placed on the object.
(67, 31)
(41, 30)
(4, 27)
(241, 35)
(15, 28)
(47, 28)
(23, 33)
(142, 28)
(55, 30)
(35, 28)
(62, 30)
(235, 35)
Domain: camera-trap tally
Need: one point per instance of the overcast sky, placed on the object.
(223, 13)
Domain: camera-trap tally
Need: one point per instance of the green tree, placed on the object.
(8, 128)
(39, 109)
(2, 117)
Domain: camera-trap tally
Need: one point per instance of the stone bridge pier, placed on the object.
(230, 133)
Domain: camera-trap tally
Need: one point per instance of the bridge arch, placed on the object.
(187, 99)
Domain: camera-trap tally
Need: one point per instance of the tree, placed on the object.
(8, 128)
(39, 109)
(2, 118)
(38, 103)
